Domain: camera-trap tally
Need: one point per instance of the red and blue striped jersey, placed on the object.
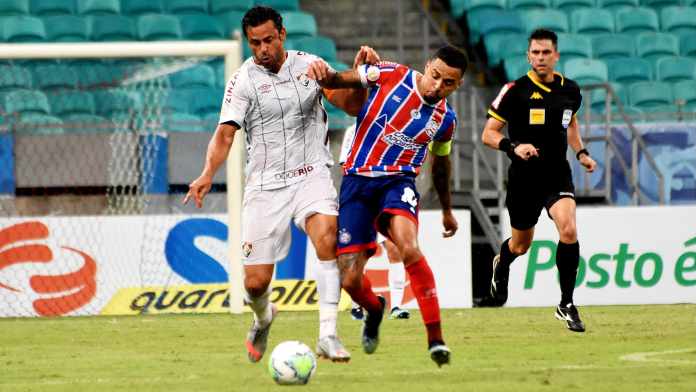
(395, 125)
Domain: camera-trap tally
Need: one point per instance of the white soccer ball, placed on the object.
(292, 363)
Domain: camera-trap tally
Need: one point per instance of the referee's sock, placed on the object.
(567, 260)
(506, 256)
(423, 286)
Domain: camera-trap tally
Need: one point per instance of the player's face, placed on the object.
(543, 57)
(266, 43)
(439, 80)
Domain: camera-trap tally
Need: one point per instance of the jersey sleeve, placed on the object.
(376, 74)
(577, 100)
(502, 106)
(236, 102)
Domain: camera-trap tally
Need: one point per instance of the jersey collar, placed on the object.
(533, 77)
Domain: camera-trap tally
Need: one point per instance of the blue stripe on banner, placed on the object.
(7, 164)
(154, 150)
(293, 266)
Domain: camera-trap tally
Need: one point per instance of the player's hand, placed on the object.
(320, 71)
(588, 162)
(198, 189)
(449, 222)
(366, 55)
(526, 151)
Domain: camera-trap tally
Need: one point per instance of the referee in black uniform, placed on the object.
(539, 109)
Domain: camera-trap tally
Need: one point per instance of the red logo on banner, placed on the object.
(78, 287)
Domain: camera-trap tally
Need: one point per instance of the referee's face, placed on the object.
(543, 57)
(266, 43)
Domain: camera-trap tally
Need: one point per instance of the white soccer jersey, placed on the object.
(346, 144)
(285, 122)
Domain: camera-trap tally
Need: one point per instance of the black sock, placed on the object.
(567, 260)
(506, 257)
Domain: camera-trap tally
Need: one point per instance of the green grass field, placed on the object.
(626, 348)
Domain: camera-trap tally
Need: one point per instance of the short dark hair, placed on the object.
(259, 15)
(452, 56)
(540, 34)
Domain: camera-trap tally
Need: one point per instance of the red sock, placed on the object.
(365, 297)
(423, 285)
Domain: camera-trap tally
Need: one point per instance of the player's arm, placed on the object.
(575, 142)
(218, 149)
(349, 100)
(494, 138)
(441, 171)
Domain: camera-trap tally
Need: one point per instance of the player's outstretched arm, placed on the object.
(575, 142)
(218, 149)
(441, 172)
(328, 78)
(352, 100)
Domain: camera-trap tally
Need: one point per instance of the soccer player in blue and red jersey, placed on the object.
(405, 114)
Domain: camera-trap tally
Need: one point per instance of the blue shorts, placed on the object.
(366, 205)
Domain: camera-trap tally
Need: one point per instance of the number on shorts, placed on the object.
(409, 197)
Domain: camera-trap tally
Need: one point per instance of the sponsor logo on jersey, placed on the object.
(431, 128)
(396, 98)
(265, 88)
(567, 116)
(294, 173)
(401, 140)
(536, 95)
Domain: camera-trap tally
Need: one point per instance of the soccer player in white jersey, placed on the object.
(287, 172)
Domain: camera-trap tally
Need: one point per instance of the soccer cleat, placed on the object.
(570, 315)
(398, 313)
(499, 282)
(258, 337)
(370, 331)
(357, 313)
(439, 353)
(330, 347)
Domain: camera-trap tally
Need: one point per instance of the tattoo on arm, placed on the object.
(441, 170)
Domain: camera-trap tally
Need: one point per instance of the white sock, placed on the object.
(329, 287)
(261, 307)
(397, 281)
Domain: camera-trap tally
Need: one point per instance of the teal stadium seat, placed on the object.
(26, 101)
(676, 69)
(482, 10)
(201, 75)
(586, 71)
(14, 7)
(499, 45)
(611, 46)
(339, 66)
(81, 123)
(222, 6)
(66, 28)
(687, 45)
(321, 46)
(299, 24)
(201, 27)
(615, 5)
(72, 102)
(458, 8)
(24, 29)
(685, 94)
(338, 119)
(140, 7)
(515, 67)
(650, 95)
(158, 27)
(187, 6)
(231, 21)
(549, 19)
(13, 77)
(598, 98)
(652, 46)
(52, 7)
(280, 5)
(592, 21)
(637, 20)
(98, 7)
(204, 100)
(629, 70)
(113, 28)
(116, 103)
(573, 46)
(568, 6)
(526, 5)
(182, 122)
(502, 23)
(679, 20)
(54, 76)
(209, 122)
(659, 4)
(176, 101)
(39, 124)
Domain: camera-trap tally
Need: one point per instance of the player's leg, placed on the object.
(567, 260)
(397, 280)
(257, 282)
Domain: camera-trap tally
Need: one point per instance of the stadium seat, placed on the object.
(98, 7)
(654, 45)
(321, 46)
(675, 69)
(176, 101)
(66, 28)
(338, 119)
(231, 21)
(637, 20)
(182, 122)
(158, 27)
(71, 102)
(299, 24)
(14, 7)
(39, 124)
(113, 28)
(568, 6)
(679, 20)
(54, 76)
(52, 7)
(280, 5)
(201, 75)
(659, 4)
(98, 75)
(458, 8)
(204, 100)
(499, 45)
(629, 70)
(687, 45)
(26, 101)
(586, 71)
(501, 24)
(222, 6)
(526, 5)
(13, 77)
(649, 95)
(615, 5)
(573, 46)
(116, 102)
(550, 19)
(483, 16)
(24, 29)
(78, 123)
(187, 6)
(685, 94)
(201, 27)
(592, 21)
(515, 67)
(598, 98)
(611, 46)
(140, 7)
